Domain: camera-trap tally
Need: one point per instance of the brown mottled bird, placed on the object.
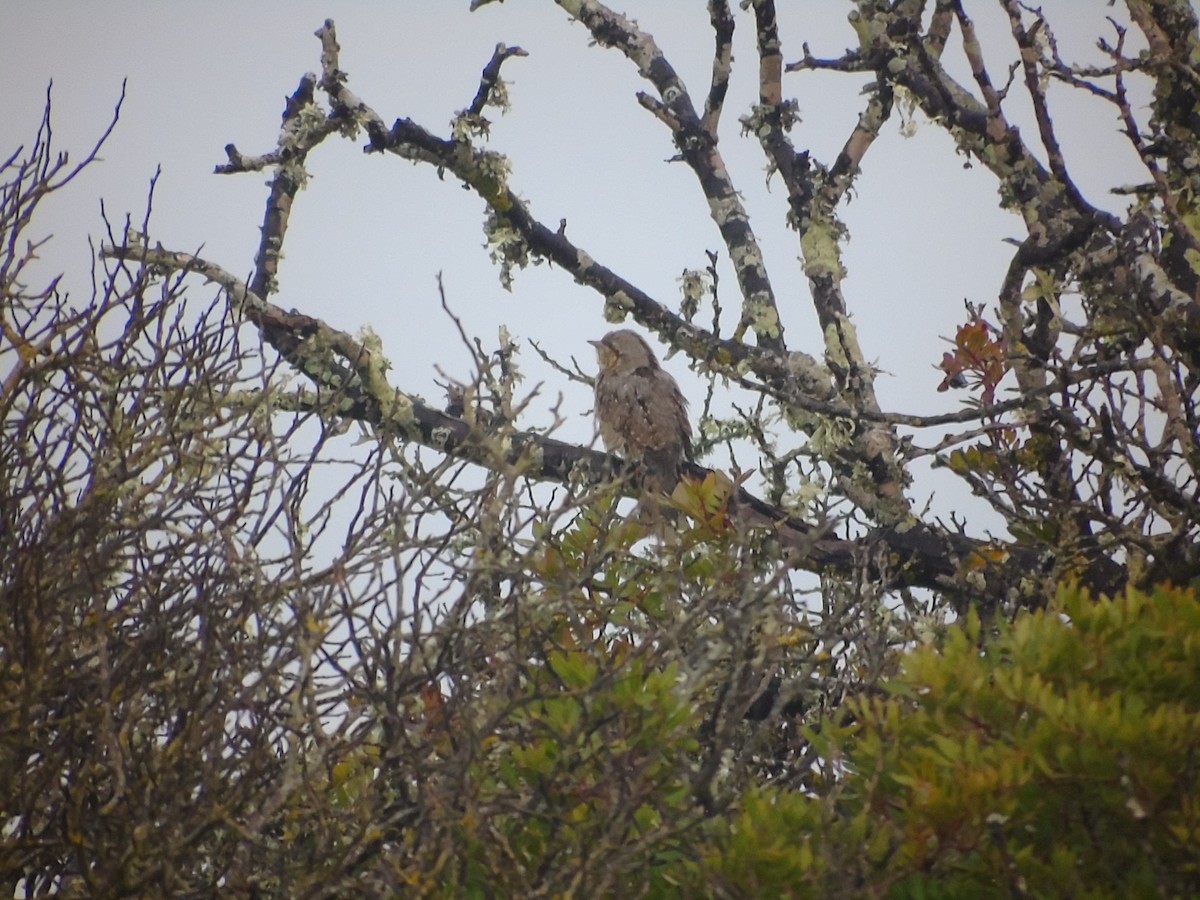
(640, 411)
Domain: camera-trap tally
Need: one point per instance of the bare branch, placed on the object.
(698, 147)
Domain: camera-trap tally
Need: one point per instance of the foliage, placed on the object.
(1052, 757)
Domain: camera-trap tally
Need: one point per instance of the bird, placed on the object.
(640, 412)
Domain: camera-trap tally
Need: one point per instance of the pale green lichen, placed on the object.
(819, 247)
(906, 106)
(799, 419)
(800, 499)
(498, 96)
(834, 351)
(754, 122)
(841, 343)
(296, 172)
(506, 247)
(1192, 257)
(694, 284)
(746, 256)
(313, 119)
(395, 407)
(488, 173)
(532, 458)
(298, 132)
(617, 307)
(467, 125)
(761, 120)
(398, 411)
(830, 436)
(370, 339)
(764, 318)
(807, 371)
(721, 208)
(861, 478)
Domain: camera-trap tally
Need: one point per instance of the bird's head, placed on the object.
(624, 351)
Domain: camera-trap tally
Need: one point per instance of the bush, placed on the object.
(1056, 757)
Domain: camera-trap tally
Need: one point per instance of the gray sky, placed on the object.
(371, 233)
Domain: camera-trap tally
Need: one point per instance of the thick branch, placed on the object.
(352, 375)
(722, 23)
(794, 372)
(813, 195)
(698, 146)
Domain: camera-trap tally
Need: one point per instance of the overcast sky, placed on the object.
(371, 233)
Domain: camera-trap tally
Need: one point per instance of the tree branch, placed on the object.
(698, 146)
(356, 389)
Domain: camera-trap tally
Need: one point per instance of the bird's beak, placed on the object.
(596, 344)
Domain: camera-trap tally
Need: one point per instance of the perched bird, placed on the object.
(640, 411)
